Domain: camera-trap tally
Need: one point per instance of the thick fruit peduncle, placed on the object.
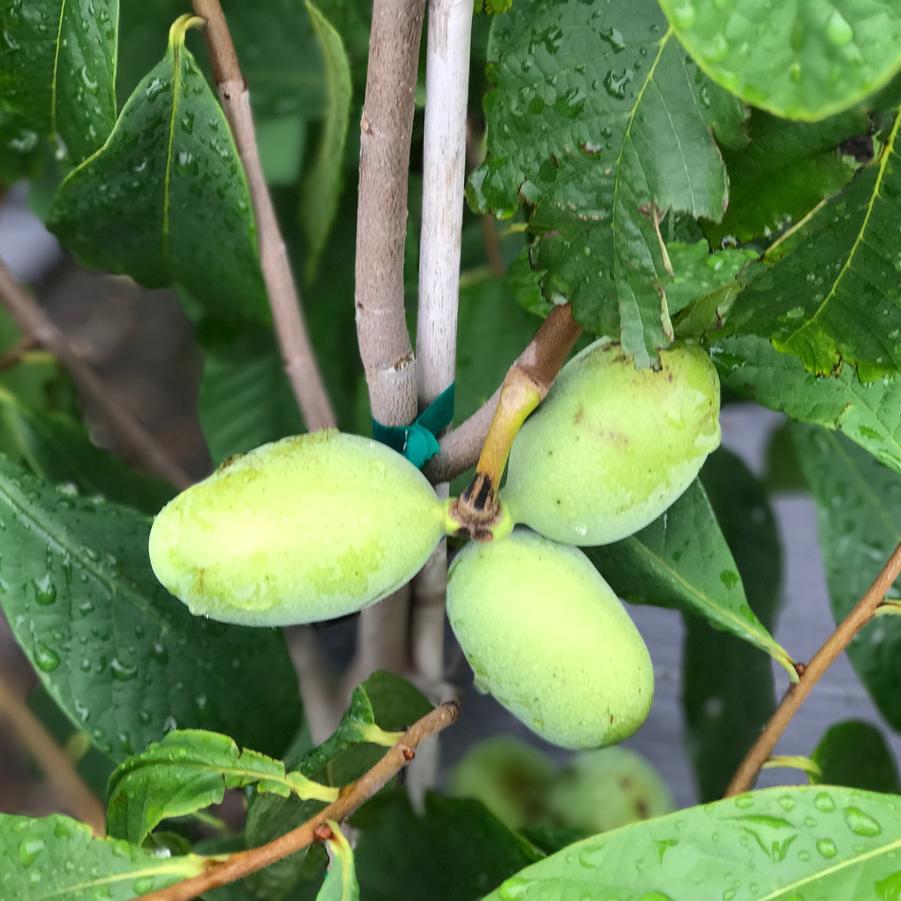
(479, 511)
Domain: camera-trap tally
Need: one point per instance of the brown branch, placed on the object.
(134, 440)
(386, 128)
(540, 361)
(237, 866)
(385, 132)
(746, 774)
(297, 352)
(76, 797)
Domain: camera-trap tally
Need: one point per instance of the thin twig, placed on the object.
(297, 352)
(76, 797)
(237, 866)
(541, 360)
(135, 440)
(863, 612)
(386, 129)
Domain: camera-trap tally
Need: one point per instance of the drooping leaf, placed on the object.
(384, 703)
(319, 200)
(188, 770)
(855, 754)
(785, 843)
(123, 658)
(56, 857)
(785, 170)
(797, 59)
(340, 882)
(728, 690)
(598, 120)
(867, 413)
(859, 516)
(165, 199)
(832, 291)
(57, 76)
(57, 449)
(682, 560)
(453, 836)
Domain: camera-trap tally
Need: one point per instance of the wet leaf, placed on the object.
(165, 200)
(599, 122)
(784, 843)
(832, 290)
(57, 857)
(123, 658)
(682, 560)
(796, 59)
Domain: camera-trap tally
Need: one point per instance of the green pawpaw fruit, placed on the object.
(606, 789)
(613, 446)
(548, 638)
(511, 778)
(304, 529)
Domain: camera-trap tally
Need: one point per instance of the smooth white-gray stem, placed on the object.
(444, 171)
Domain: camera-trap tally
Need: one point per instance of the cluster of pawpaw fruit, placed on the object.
(321, 525)
(594, 791)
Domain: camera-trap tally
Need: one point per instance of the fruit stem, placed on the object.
(479, 508)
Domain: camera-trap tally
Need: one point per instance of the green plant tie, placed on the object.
(418, 442)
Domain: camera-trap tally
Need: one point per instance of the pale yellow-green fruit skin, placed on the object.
(612, 446)
(304, 529)
(548, 638)
(606, 789)
(511, 778)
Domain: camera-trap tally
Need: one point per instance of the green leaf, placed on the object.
(682, 560)
(832, 291)
(57, 449)
(797, 59)
(341, 879)
(855, 754)
(867, 413)
(728, 690)
(165, 199)
(786, 843)
(59, 858)
(57, 75)
(859, 515)
(245, 399)
(455, 851)
(188, 770)
(785, 170)
(599, 121)
(384, 703)
(121, 656)
(704, 285)
(322, 186)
